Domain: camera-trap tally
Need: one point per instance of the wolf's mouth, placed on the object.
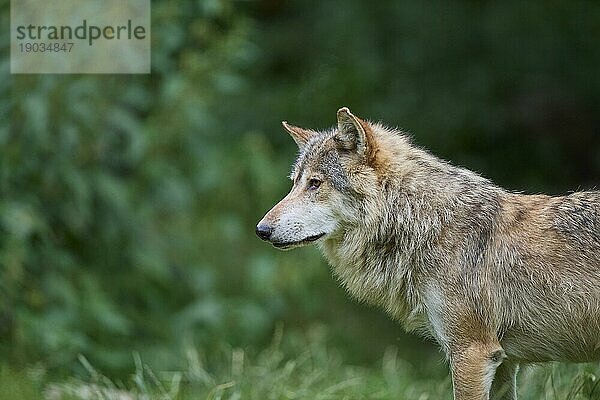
(283, 245)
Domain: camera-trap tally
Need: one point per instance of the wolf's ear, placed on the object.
(353, 133)
(300, 135)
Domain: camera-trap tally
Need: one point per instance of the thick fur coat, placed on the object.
(498, 279)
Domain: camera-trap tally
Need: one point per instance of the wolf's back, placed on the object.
(578, 219)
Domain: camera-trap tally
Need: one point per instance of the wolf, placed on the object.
(498, 279)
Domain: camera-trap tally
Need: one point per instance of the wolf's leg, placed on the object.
(473, 369)
(504, 386)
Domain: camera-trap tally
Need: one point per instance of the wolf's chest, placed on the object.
(382, 282)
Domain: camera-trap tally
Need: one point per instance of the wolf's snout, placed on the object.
(264, 231)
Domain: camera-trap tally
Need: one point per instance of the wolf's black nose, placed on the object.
(264, 231)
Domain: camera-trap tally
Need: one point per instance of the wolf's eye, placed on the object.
(313, 184)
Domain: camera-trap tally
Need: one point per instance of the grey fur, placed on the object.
(497, 279)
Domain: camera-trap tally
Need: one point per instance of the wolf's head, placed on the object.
(333, 172)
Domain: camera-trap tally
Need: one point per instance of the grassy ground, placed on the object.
(304, 370)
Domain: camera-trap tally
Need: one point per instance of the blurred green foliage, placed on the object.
(128, 203)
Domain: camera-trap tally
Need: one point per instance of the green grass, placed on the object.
(304, 368)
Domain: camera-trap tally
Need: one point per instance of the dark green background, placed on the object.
(128, 203)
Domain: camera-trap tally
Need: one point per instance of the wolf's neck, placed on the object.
(379, 259)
